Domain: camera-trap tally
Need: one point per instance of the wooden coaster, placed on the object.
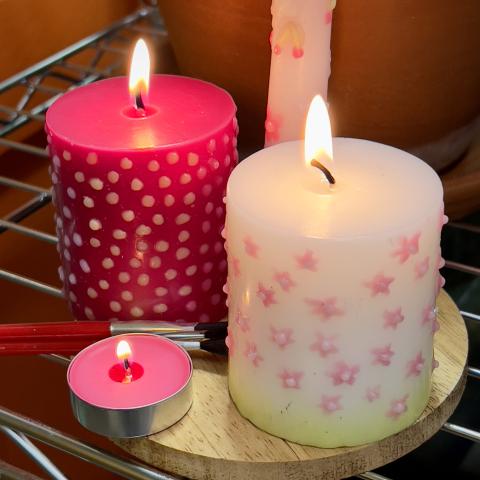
(214, 442)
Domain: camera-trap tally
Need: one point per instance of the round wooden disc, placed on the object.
(214, 442)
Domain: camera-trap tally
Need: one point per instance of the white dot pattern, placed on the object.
(95, 224)
(189, 198)
(153, 166)
(158, 219)
(112, 198)
(95, 242)
(119, 234)
(148, 201)
(113, 176)
(164, 182)
(88, 202)
(96, 184)
(160, 308)
(79, 177)
(155, 262)
(92, 293)
(136, 185)
(191, 270)
(92, 158)
(107, 263)
(144, 226)
(67, 212)
(143, 230)
(77, 239)
(126, 163)
(161, 246)
(127, 295)
(128, 215)
(183, 236)
(169, 200)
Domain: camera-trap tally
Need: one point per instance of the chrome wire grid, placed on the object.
(39, 86)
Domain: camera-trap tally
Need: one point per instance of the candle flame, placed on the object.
(318, 132)
(139, 78)
(123, 350)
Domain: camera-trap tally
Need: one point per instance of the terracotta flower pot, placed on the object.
(403, 73)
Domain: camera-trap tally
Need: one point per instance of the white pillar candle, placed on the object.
(300, 64)
(332, 291)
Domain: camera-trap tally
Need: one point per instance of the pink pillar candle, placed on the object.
(139, 199)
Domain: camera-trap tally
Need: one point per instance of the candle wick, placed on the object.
(315, 163)
(128, 371)
(139, 101)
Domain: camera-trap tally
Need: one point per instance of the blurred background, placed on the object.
(417, 88)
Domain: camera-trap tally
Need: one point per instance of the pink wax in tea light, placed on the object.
(139, 179)
(130, 385)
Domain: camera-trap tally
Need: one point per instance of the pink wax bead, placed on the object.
(134, 196)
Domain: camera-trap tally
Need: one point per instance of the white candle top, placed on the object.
(378, 189)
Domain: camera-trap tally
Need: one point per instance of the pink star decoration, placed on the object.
(326, 308)
(242, 320)
(236, 267)
(429, 314)
(421, 268)
(344, 373)
(281, 336)
(383, 356)
(435, 326)
(290, 379)
(415, 366)
(435, 364)
(330, 403)
(284, 280)
(324, 345)
(398, 407)
(266, 295)
(229, 342)
(373, 393)
(252, 354)
(380, 284)
(307, 261)
(251, 248)
(407, 247)
(393, 318)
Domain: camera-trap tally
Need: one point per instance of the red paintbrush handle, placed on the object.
(54, 331)
(18, 348)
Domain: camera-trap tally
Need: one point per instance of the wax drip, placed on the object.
(315, 163)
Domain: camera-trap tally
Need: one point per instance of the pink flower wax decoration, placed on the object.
(332, 287)
(138, 185)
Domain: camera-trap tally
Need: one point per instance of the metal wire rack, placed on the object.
(98, 56)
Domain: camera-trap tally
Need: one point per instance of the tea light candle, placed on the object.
(332, 288)
(138, 185)
(130, 385)
(300, 64)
